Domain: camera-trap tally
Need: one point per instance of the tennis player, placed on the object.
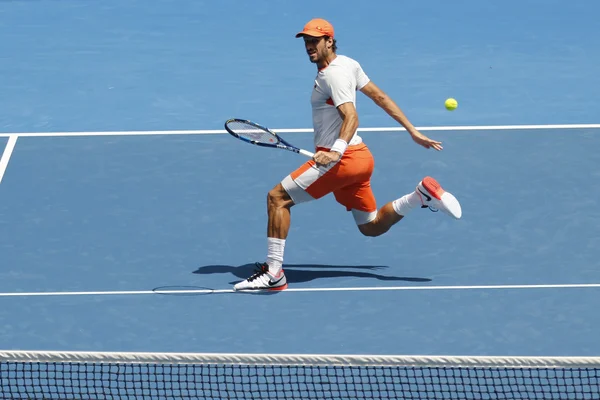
(342, 163)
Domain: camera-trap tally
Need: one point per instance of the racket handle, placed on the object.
(306, 153)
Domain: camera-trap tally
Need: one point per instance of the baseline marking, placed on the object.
(293, 290)
(302, 130)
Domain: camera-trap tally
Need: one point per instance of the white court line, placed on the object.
(10, 146)
(302, 130)
(292, 290)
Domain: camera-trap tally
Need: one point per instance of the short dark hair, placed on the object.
(334, 46)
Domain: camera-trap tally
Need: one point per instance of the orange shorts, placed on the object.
(349, 180)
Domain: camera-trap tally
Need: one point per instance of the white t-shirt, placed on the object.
(334, 85)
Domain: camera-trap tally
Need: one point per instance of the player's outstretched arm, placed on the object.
(391, 108)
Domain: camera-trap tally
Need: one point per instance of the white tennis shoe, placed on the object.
(262, 279)
(435, 198)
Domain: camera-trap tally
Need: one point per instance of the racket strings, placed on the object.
(252, 132)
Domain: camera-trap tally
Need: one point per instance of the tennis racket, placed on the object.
(254, 133)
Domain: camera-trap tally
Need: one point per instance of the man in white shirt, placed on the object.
(342, 163)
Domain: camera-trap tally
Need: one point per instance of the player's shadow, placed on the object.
(300, 273)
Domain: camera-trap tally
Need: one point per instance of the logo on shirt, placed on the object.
(316, 94)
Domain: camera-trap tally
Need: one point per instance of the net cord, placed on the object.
(298, 359)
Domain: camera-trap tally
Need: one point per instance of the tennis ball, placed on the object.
(451, 104)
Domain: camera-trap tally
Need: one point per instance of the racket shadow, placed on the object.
(302, 273)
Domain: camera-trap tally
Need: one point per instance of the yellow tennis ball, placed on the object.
(451, 104)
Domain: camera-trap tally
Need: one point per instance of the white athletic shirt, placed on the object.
(334, 85)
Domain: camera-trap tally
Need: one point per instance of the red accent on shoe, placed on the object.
(433, 187)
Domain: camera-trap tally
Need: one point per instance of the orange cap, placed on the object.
(317, 27)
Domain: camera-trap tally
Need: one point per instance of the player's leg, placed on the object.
(428, 194)
(270, 275)
(279, 204)
(385, 218)
(358, 196)
(307, 183)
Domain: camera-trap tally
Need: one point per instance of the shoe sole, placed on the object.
(270, 289)
(279, 287)
(433, 187)
(451, 205)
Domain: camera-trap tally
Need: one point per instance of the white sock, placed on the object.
(275, 254)
(406, 203)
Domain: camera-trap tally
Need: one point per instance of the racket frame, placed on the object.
(280, 144)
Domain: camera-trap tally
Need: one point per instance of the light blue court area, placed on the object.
(96, 226)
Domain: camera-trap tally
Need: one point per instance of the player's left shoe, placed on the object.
(262, 279)
(434, 197)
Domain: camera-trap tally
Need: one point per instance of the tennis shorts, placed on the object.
(349, 180)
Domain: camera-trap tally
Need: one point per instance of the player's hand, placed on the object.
(424, 141)
(326, 157)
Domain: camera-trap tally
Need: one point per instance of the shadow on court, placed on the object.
(300, 273)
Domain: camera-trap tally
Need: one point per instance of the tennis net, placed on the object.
(104, 375)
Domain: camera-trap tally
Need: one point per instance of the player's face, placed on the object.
(316, 48)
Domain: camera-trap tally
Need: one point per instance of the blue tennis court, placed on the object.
(127, 213)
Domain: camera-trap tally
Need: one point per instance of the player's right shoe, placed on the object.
(434, 197)
(263, 279)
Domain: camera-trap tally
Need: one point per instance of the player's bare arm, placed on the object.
(391, 108)
(349, 116)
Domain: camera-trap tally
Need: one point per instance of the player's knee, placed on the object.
(368, 222)
(372, 229)
(278, 198)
